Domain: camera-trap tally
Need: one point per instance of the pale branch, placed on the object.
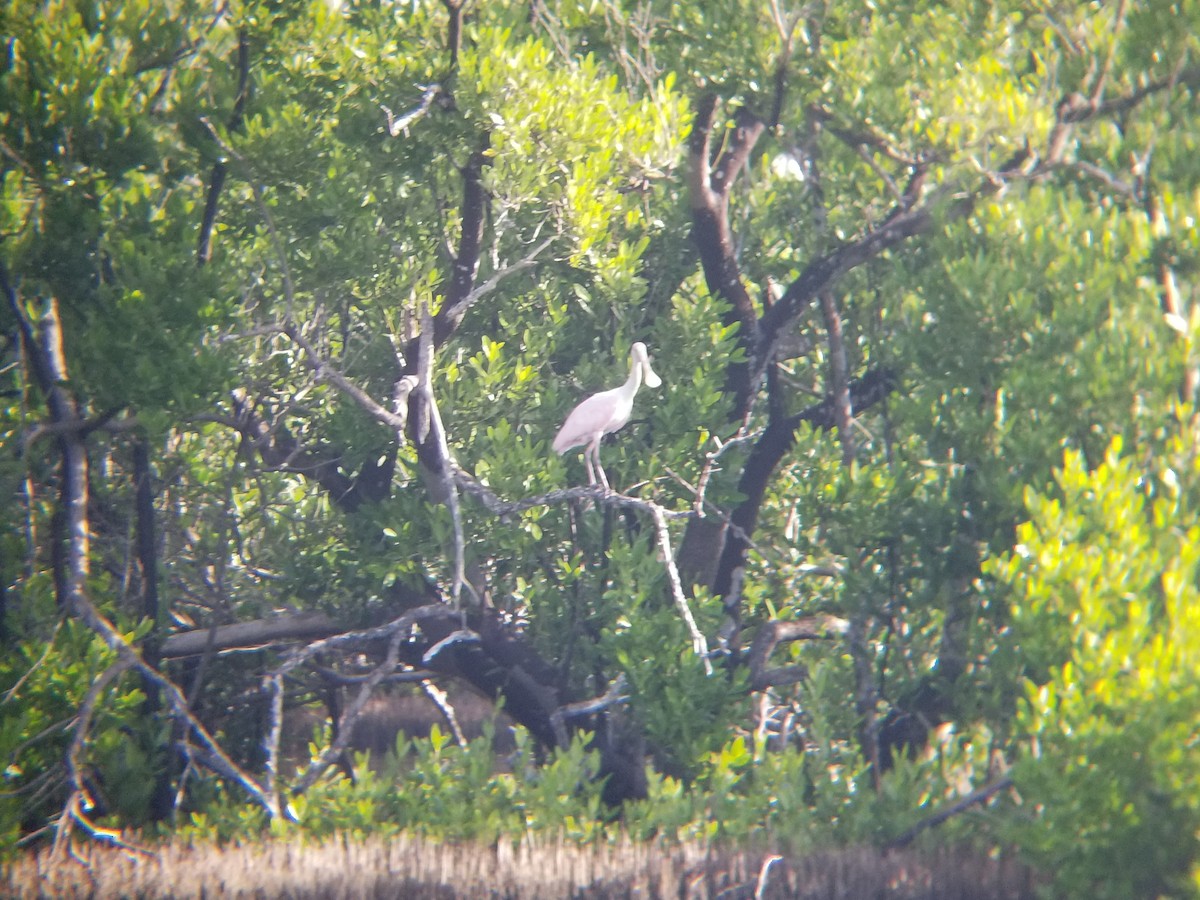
(760, 886)
(1081, 109)
(725, 518)
(658, 514)
(396, 125)
(611, 697)
(105, 421)
(73, 815)
(1110, 181)
(216, 758)
(863, 136)
(881, 173)
(274, 687)
(699, 644)
(710, 462)
(1106, 69)
(461, 636)
(255, 633)
(441, 700)
(37, 664)
(460, 306)
(434, 439)
(43, 347)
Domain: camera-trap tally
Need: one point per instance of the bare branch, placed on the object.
(433, 452)
(708, 195)
(1110, 181)
(462, 635)
(861, 137)
(699, 644)
(839, 379)
(507, 508)
(477, 293)
(400, 624)
(274, 687)
(866, 696)
(772, 634)
(327, 372)
(982, 795)
(255, 633)
(79, 798)
(346, 726)
(216, 181)
(614, 695)
(439, 699)
(610, 698)
(598, 493)
(395, 126)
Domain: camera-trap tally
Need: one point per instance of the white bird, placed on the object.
(604, 413)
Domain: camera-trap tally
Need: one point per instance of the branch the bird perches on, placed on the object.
(604, 413)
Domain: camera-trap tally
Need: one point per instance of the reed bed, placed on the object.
(424, 869)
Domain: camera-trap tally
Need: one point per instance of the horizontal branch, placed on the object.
(498, 506)
(242, 635)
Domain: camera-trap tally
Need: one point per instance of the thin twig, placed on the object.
(742, 436)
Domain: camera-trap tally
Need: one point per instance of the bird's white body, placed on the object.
(604, 413)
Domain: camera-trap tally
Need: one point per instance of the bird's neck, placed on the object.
(634, 381)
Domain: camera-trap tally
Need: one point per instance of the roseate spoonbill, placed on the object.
(604, 413)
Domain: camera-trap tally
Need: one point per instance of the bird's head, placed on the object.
(640, 356)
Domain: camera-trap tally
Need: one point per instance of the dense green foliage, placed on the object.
(271, 233)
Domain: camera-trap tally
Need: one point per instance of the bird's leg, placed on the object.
(587, 461)
(594, 451)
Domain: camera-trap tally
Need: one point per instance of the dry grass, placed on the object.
(419, 868)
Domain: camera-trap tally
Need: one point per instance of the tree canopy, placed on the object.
(296, 296)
